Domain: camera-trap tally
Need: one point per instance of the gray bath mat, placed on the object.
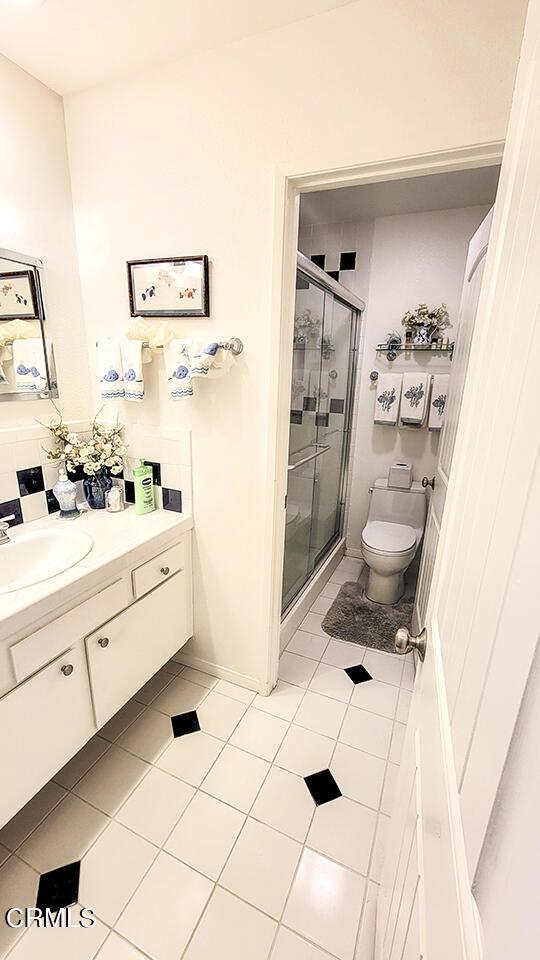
(354, 618)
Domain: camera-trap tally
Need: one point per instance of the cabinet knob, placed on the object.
(103, 641)
(67, 669)
(165, 571)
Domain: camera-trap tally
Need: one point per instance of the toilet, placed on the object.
(391, 537)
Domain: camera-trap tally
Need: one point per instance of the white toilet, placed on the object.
(391, 537)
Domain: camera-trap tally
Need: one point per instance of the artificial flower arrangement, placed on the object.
(424, 317)
(99, 456)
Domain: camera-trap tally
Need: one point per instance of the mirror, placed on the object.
(27, 370)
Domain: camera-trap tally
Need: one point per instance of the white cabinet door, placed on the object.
(43, 722)
(127, 651)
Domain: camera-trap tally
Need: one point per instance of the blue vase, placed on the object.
(95, 488)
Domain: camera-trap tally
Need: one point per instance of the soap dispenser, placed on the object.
(65, 492)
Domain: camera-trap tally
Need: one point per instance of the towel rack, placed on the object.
(234, 344)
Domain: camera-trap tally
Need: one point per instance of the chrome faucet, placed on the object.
(4, 527)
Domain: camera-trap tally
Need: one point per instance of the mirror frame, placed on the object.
(52, 390)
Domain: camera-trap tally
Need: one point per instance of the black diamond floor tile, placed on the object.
(322, 787)
(358, 674)
(59, 888)
(184, 723)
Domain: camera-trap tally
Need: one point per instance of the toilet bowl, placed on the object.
(391, 537)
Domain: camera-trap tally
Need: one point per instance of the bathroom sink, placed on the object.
(31, 557)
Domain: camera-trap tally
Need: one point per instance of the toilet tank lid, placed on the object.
(388, 537)
(416, 487)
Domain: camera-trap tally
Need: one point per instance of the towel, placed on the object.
(208, 359)
(132, 363)
(111, 380)
(178, 369)
(413, 399)
(387, 398)
(29, 364)
(437, 403)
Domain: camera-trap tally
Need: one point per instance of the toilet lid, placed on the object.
(388, 537)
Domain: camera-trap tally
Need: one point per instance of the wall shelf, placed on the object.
(392, 350)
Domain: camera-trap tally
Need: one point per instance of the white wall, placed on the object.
(36, 218)
(182, 160)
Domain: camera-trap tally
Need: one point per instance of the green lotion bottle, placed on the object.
(144, 488)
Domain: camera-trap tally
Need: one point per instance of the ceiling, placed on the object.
(71, 45)
(438, 191)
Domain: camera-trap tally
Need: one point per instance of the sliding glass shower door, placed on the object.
(321, 402)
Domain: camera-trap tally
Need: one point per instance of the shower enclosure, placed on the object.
(326, 330)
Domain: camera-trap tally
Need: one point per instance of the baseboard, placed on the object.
(354, 552)
(223, 673)
(296, 614)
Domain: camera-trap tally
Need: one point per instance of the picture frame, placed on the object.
(169, 287)
(18, 295)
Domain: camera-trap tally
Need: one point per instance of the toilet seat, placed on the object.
(387, 537)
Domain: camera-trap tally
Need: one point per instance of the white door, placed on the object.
(470, 295)
(481, 615)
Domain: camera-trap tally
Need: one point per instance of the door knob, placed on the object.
(426, 482)
(404, 643)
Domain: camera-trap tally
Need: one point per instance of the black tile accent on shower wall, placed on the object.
(322, 787)
(52, 503)
(334, 274)
(319, 259)
(172, 499)
(296, 416)
(310, 403)
(347, 261)
(358, 674)
(59, 888)
(337, 406)
(322, 420)
(156, 471)
(129, 491)
(30, 481)
(184, 723)
(11, 508)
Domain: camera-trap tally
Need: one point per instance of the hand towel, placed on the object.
(413, 399)
(387, 397)
(437, 403)
(111, 380)
(29, 364)
(208, 359)
(178, 369)
(132, 363)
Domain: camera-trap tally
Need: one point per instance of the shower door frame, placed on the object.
(357, 307)
(288, 186)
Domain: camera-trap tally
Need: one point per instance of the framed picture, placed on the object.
(169, 288)
(18, 300)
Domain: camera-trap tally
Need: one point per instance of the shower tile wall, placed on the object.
(343, 250)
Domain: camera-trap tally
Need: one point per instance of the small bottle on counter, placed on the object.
(114, 499)
(65, 492)
(144, 488)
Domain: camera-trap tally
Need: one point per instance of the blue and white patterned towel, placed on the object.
(132, 367)
(110, 373)
(29, 365)
(178, 369)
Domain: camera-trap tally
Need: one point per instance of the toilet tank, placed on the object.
(398, 506)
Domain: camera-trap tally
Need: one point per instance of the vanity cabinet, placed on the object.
(43, 722)
(130, 648)
(73, 672)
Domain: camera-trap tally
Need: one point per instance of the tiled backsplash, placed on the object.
(27, 477)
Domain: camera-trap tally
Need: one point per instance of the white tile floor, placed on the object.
(210, 844)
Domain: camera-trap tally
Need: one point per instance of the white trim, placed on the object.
(215, 670)
(287, 188)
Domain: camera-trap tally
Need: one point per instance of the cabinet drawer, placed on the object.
(128, 650)
(43, 722)
(33, 652)
(157, 570)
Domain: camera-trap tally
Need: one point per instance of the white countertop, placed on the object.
(115, 536)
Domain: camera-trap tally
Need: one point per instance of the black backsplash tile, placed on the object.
(319, 260)
(156, 471)
(172, 499)
(76, 474)
(52, 503)
(129, 491)
(30, 481)
(347, 261)
(337, 406)
(12, 508)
